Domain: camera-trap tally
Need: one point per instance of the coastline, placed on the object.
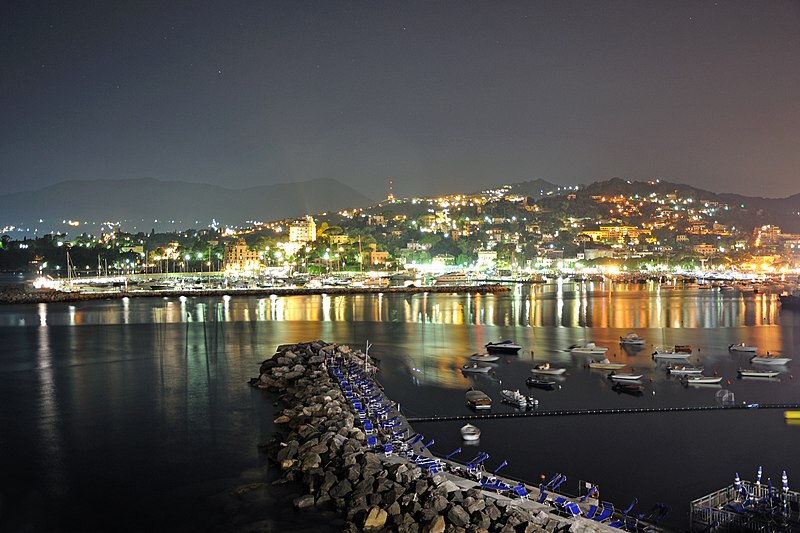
(19, 294)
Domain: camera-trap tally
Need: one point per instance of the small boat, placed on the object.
(484, 357)
(545, 368)
(478, 399)
(752, 373)
(624, 377)
(769, 360)
(701, 380)
(742, 348)
(605, 364)
(475, 368)
(470, 432)
(671, 355)
(514, 397)
(629, 388)
(685, 370)
(503, 347)
(546, 384)
(791, 415)
(632, 338)
(589, 348)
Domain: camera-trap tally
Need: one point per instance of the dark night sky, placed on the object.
(438, 96)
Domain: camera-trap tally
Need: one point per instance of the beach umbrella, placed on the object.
(451, 454)
(425, 446)
(737, 483)
(785, 481)
(758, 480)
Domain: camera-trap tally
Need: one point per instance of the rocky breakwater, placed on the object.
(341, 439)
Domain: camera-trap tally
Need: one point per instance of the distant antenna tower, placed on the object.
(391, 192)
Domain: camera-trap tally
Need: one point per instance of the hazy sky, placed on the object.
(438, 96)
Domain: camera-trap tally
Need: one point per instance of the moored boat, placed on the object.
(514, 397)
(628, 387)
(685, 370)
(671, 355)
(769, 360)
(506, 346)
(470, 432)
(589, 348)
(545, 368)
(605, 364)
(632, 338)
(475, 368)
(741, 347)
(539, 383)
(484, 357)
(701, 380)
(754, 373)
(624, 377)
(478, 399)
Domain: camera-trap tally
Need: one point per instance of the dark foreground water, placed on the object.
(135, 414)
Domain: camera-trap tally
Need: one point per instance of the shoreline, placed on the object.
(19, 294)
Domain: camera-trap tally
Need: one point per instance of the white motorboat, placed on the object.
(769, 360)
(470, 432)
(742, 348)
(685, 370)
(624, 377)
(506, 346)
(670, 355)
(589, 348)
(701, 380)
(754, 373)
(545, 368)
(514, 397)
(478, 399)
(632, 338)
(475, 368)
(484, 357)
(605, 364)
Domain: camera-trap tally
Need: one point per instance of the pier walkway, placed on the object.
(611, 411)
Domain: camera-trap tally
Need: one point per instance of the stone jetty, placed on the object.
(355, 452)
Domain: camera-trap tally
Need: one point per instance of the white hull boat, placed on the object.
(475, 368)
(484, 357)
(514, 397)
(742, 348)
(624, 377)
(470, 432)
(750, 373)
(685, 370)
(702, 380)
(632, 339)
(671, 356)
(588, 349)
(548, 370)
(605, 364)
(769, 360)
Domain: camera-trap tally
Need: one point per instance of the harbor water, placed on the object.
(139, 408)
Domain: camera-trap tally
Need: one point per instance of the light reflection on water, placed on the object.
(599, 305)
(146, 389)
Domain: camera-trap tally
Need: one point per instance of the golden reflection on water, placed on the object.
(552, 305)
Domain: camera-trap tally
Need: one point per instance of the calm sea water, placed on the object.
(140, 408)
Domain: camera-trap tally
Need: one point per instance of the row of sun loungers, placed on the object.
(382, 426)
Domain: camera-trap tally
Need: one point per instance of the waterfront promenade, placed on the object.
(18, 294)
